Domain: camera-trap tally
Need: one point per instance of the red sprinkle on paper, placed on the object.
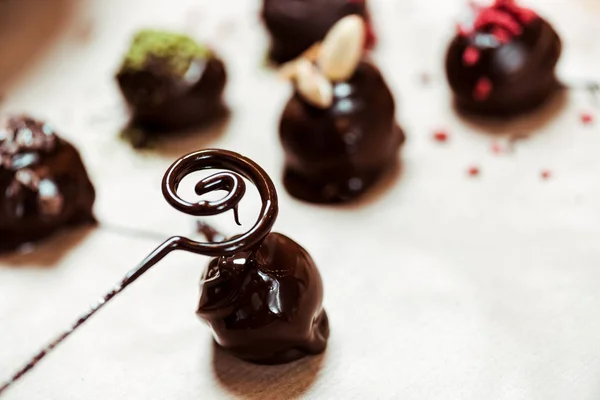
(474, 171)
(546, 174)
(441, 136)
(482, 90)
(471, 56)
(497, 148)
(587, 118)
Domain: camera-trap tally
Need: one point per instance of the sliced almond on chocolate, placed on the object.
(312, 85)
(343, 48)
(288, 70)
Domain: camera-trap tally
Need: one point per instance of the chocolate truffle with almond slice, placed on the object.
(338, 130)
(504, 64)
(171, 82)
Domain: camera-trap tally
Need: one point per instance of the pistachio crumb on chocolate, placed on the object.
(176, 49)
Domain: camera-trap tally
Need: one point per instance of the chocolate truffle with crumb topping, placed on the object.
(504, 64)
(43, 182)
(171, 82)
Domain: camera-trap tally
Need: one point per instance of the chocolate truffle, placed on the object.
(262, 296)
(171, 82)
(338, 130)
(265, 306)
(295, 25)
(43, 182)
(504, 64)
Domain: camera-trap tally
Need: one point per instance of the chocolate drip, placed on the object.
(201, 160)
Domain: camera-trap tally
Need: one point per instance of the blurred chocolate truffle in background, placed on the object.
(171, 82)
(295, 25)
(504, 63)
(43, 182)
(338, 130)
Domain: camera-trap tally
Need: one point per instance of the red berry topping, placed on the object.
(587, 118)
(482, 90)
(474, 171)
(471, 56)
(440, 136)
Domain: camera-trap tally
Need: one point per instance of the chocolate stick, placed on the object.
(131, 277)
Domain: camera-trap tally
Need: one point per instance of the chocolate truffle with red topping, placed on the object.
(295, 25)
(504, 64)
(43, 183)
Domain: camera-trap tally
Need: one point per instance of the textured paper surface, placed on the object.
(490, 284)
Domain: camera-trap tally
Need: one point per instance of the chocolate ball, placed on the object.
(43, 182)
(505, 64)
(296, 25)
(335, 154)
(170, 82)
(265, 306)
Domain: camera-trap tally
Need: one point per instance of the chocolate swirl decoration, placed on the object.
(232, 183)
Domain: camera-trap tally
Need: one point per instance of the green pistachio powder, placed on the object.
(175, 49)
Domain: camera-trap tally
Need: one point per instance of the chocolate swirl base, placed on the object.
(264, 306)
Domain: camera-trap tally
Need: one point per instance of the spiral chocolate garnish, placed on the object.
(295, 26)
(43, 183)
(262, 296)
(505, 63)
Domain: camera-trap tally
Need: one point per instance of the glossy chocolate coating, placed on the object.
(266, 307)
(262, 296)
(295, 25)
(162, 101)
(519, 72)
(334, 155)
(43, 182)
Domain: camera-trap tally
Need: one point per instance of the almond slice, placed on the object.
(312, 85)
(288, 70)
(342, 48)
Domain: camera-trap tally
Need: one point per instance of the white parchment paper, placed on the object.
(438, 286)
